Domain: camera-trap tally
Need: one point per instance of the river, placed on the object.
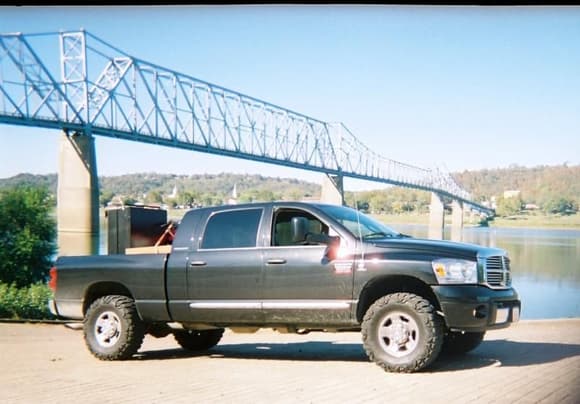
(545, 264)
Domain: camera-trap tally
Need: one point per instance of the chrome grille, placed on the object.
(497, 271)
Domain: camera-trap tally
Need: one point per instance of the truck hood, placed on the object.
(436, 247)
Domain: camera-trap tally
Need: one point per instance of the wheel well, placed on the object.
(103, 289)
(393, 284)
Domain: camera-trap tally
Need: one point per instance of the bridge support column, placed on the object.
(456, 221)
(332, 189)
(77, 196)
(436, 217)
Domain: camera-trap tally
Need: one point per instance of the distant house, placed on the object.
(511, 194)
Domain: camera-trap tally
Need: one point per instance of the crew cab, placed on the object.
(294, 267)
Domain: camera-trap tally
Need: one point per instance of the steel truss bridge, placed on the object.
(76, 82)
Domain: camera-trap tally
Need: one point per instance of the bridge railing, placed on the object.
(95, 88)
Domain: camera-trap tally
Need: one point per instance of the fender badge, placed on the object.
(343, 268)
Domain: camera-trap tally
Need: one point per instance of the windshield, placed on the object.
(369, 228)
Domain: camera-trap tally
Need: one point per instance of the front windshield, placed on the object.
(360, 225)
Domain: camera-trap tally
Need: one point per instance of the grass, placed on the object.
(539, 221)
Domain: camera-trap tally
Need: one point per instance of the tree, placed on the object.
(560, 205)
(508, 206)
(295, 194)
(27, 235)
(379, 202)
(187, 198)
(154, 197)
(129, 200)
(106, 197)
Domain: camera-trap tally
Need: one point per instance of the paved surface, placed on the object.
(534, 361)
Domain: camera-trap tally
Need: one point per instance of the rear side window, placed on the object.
(232, 229)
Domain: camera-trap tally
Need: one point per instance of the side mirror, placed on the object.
(299, 229)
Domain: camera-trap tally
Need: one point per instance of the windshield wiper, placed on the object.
(382, 234)
(377, 234)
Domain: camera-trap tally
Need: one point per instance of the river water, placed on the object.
(545, 264)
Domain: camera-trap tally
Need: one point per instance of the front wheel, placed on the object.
(457, 343)
(402, 333)
(112, 328)
(198, 340)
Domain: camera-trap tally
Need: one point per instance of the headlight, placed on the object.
(448, 270)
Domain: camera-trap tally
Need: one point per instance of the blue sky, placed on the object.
(461, 87)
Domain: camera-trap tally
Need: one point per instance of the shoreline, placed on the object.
(538, 223)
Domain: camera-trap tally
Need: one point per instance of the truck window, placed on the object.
(282, 232)
(232, 229)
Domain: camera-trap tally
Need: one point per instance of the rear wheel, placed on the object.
(112, 328)
(198, 340)
(402, 332)
(457, 343)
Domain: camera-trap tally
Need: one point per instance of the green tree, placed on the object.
(508, 206)
(106, 197)
(208, 199)
(257, 195)
(186, 198)
(295, 194)
(129, 200)
(154, 197)
(561, 205)
(27, 235)
(379, 202)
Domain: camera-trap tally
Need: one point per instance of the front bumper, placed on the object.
(478, 308)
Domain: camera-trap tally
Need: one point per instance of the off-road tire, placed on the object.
(402, 333)
(113, 329)
(198, 340)
(456, 343)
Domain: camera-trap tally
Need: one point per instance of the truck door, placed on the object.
(224, 271)
(302, 280)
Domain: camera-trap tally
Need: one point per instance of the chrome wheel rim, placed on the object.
(108, 329)
(398, 334)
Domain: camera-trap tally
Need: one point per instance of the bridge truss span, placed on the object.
(75, 81)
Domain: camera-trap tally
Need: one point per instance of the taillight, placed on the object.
(53, 278)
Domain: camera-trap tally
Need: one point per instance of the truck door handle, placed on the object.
(276, 261)
(197, 263)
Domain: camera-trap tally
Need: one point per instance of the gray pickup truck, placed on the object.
(294, 267)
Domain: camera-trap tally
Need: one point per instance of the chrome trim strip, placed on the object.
(273, 304)
(307, 304)
(221, 304)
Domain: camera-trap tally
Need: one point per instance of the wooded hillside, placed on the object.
(551, 188)
(537, 185)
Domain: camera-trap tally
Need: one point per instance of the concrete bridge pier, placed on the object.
(456, 221)
(436, 217)
(77, 196)
(332, 189)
